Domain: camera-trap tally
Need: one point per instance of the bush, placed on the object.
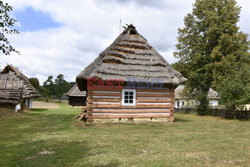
(237, 114)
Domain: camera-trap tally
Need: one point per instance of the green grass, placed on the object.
(53, 138)
(8, 113)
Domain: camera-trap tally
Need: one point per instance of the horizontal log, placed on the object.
(138, 100)
(138, 94)
(154, 90)
(118, 106)
(138, 90)
(89, 112)
(153, 100)
(105, 94)
(106, 99)
(132, 111)
(131, 116)
(105, 89)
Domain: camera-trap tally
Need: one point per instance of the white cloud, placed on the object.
(89, 26)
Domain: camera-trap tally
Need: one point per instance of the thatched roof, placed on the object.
(10, 96)
(74, 91)
(130, 55)
(14, 86)
(212, 94)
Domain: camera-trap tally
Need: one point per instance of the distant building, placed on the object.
(183, 102)
(64, 97)
(76, 97)
(15, 89)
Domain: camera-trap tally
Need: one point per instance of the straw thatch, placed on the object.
(74, 91)
(212, 94)
(130, 55)
(10, 96)
(14, 86)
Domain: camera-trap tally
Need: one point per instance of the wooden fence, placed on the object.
(238, 114)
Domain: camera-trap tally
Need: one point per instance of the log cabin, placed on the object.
(76, 97)
(129, 79)
(16, 92)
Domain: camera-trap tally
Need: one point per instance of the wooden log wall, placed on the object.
(150, 103)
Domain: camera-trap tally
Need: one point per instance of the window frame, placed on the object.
(178, 104)
(134, 97)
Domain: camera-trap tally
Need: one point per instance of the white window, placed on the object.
(128, 97)
(178, 104)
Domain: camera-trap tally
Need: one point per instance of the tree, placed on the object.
(61, 86)
(210, 36)
(232, 79)
(180, 66)
(6, 22)
(48, 85)
(56, 88)
(35, 83)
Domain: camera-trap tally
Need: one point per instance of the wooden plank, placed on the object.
(153, 100)
(90, 91)
(132, 111)
(131, 116)
(89, 106)
(172, 104)
(121, 98)
(89, 100)
(137, 90)
(106, 94)
(89, 118)
(138, 94)
(106, 99)
(106, 89)
(138, 106)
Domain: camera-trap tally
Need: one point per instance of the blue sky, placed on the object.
(34, 20)
(63, 37)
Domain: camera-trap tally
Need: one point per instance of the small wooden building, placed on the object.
(15, 89)
(129, 79)
(76, 97)
(182, 101)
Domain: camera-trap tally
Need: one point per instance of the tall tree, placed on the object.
(232, 80)
(209, 37)
(35, 82)
(55, 88)
(60, 86)
(48, 85)
(6, 22)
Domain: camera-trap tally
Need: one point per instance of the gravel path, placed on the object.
(41, 104)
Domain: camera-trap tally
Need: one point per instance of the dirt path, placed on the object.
(41, 104)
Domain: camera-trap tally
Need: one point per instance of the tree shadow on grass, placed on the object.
(111, 164)
(39, 122)
(176, 119)
(44, 153)
(39, 109)
(50, 152)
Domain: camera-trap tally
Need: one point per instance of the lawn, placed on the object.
(43, 137)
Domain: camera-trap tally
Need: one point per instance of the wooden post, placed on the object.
(89, 106)
(172, 104)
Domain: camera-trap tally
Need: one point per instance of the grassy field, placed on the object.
(43, 137)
